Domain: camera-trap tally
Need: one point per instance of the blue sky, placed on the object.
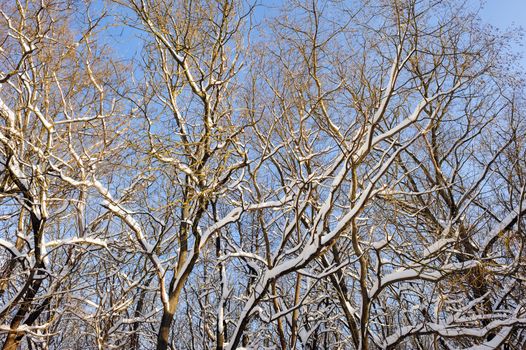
(504, 14)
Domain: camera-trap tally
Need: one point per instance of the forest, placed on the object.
(260, 174)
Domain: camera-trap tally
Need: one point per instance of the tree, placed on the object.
(55, 111)
(325, 174)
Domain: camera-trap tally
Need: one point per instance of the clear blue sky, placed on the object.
(504, 14)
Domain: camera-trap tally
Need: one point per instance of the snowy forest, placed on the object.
(260, 174)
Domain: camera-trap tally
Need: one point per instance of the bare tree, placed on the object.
(318, 174)
(55, 107)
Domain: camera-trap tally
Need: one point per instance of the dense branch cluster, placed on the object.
(300, 175)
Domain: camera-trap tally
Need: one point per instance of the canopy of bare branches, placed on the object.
(228, 174)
